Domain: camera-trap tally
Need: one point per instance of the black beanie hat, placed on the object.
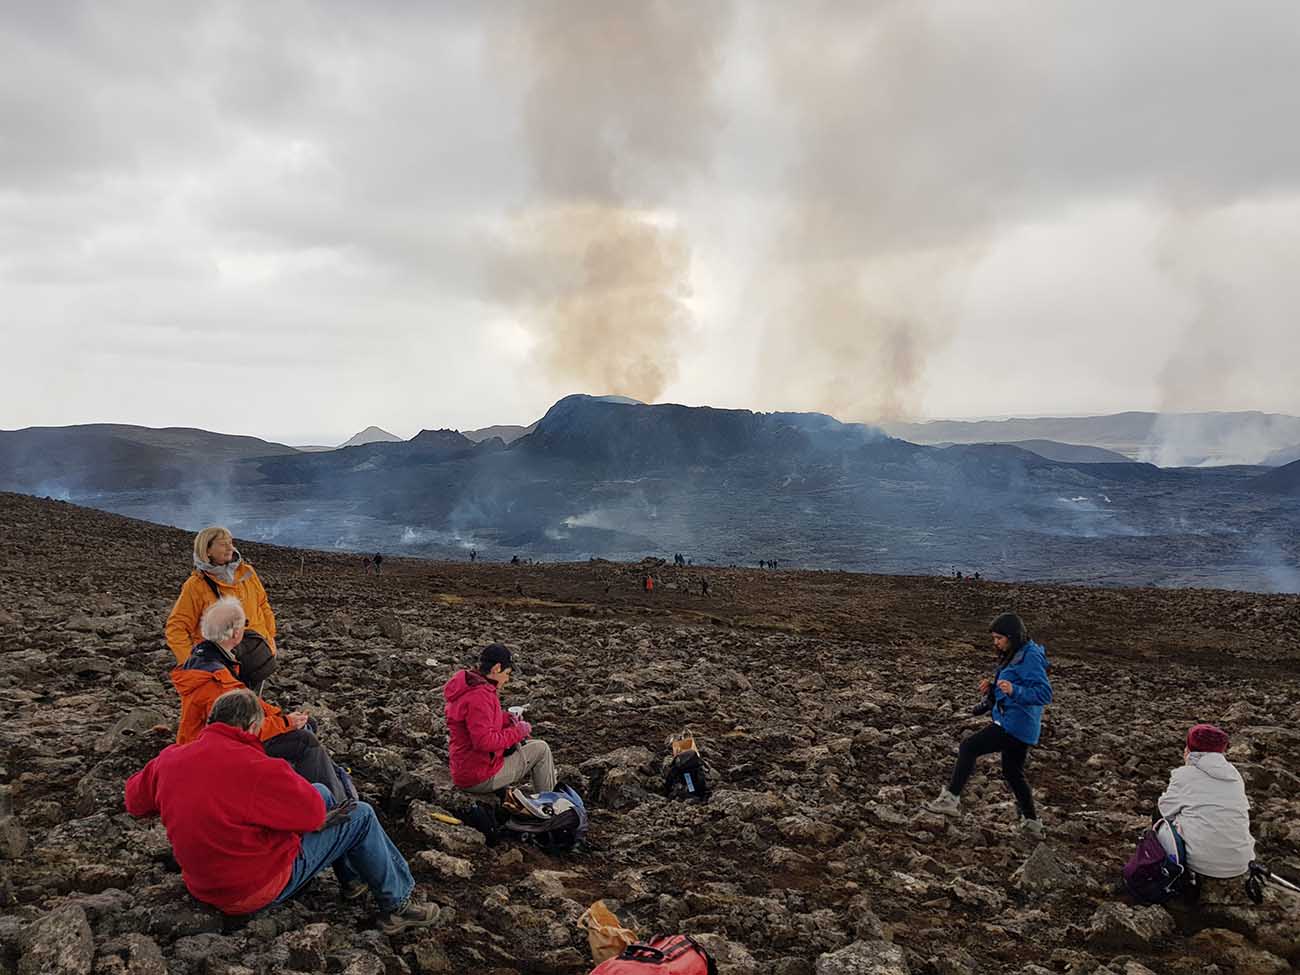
(1012, 627)
(495, 653)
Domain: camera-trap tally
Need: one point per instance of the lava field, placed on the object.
(828, 705)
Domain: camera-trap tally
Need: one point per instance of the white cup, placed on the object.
(517, 711)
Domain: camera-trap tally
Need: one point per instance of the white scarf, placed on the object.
(222, 573)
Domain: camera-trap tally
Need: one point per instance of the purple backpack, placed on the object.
(1153, 875)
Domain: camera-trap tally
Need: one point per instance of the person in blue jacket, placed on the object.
(1019, 691)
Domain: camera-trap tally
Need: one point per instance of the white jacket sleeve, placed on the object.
(1176, 794)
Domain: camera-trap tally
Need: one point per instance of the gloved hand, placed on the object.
(524, 727)
(340, 813)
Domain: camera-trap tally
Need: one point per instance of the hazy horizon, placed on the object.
(335, 440)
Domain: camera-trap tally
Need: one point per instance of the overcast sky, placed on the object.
(296, 219)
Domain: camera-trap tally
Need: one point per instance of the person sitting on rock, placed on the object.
(248, 832)
(219, 570)
(1206, 802)
(1020, 690)
(489, 748)
(212, 670)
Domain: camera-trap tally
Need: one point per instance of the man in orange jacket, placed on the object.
(247, 832)
(213, 670)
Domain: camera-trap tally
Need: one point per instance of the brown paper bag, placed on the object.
(604, 934)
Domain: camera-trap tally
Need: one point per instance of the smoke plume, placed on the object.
(869, 257)
(618, 115)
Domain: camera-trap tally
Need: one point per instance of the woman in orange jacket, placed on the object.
(218, 571)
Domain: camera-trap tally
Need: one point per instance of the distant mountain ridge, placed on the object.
(610, 479)
(1071, 453)
(114, 456)
(371, 434)
(1166, 439)
(507, 432)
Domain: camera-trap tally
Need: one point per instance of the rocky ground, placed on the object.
(829, 704)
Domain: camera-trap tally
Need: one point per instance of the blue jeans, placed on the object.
(356, 848)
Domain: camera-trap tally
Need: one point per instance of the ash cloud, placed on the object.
(928, 131)
(866, 257)
(618, 111)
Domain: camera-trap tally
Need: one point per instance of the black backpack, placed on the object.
(686, 777)
(254, 655)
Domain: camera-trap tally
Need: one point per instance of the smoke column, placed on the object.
(618, 111)
(871, 252)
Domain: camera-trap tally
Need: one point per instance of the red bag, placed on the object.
(676, 954)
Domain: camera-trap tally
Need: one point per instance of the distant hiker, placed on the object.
(1206, 803)
(649, 584)
(1019, 690)
(247, 832)
(214, 669)
(514, 560)
(489, 748)
(978, 577)
(378, 561)
(365, 565)
(473, 555)
(704, 587)
(959, 575)
(219, 570)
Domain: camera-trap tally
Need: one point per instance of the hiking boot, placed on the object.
(354, 891)
(1032, 827)
(408, 914)
(946, 804)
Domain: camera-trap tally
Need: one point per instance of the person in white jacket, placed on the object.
(1206, 802)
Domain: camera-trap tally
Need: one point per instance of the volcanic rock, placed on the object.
(812, 842)
(1233, 950)
(864, 958)
(1044, 872)
(60, 943)
(1118, 926)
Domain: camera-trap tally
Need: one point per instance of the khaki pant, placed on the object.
(531, 760)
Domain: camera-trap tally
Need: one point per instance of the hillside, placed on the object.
(608, 479)
(115, 456)
(829, 706)
(1071, 453)
(1284, 480)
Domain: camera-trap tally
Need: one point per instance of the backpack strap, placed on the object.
(708, 959)
(211, 585)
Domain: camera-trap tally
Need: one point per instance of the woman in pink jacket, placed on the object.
(489, 748)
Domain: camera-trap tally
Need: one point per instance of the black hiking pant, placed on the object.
(1014, 752)
(308, 756)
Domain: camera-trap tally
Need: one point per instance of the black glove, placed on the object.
(339, 814)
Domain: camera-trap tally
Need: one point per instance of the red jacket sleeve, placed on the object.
(141, 794)
(487, 731)
(282, 799)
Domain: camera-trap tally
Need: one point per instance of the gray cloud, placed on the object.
(446, 215)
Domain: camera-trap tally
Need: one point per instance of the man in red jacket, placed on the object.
(248, 831)
(489, 748)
